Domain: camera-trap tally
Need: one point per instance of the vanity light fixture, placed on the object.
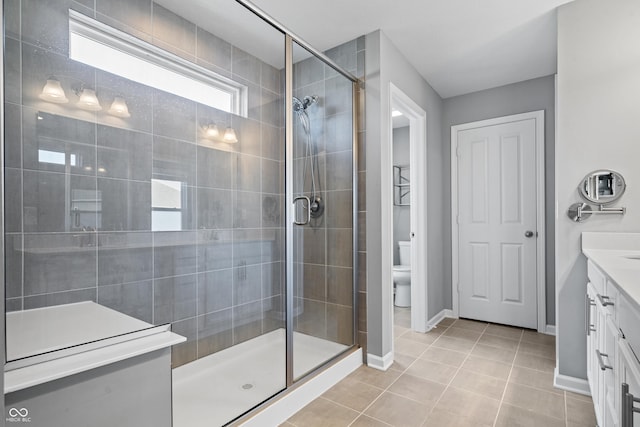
(88, 100)
(53, 92)
(119, 108)
(230, 136)
(212, 131)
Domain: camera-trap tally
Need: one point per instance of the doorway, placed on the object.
(497, 172)
(413, 173)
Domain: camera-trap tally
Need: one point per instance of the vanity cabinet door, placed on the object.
(630, 375)
(595, 375)
(609, 368)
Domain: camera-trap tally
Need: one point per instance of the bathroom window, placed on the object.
(103, 47)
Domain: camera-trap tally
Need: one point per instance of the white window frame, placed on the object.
(91, 41)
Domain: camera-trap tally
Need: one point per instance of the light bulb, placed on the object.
(53, 92)
(88, 100)
(212, 131)
(119, 108)
(230, 136)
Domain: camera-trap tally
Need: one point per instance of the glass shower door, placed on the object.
(142, 170)
(322, 223)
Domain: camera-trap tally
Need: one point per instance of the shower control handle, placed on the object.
(307, 207)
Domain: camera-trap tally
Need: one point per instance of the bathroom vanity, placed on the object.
(85, 364)
(612, 326)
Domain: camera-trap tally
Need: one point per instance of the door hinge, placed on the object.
(458, 219)
(458, 151)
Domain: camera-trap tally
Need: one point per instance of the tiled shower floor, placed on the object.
(462, 374)
(211, 391)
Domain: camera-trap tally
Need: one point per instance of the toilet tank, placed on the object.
(405, 252)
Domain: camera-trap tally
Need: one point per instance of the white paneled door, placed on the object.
(497, 220)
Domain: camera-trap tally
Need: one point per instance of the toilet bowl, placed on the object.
(402, 276)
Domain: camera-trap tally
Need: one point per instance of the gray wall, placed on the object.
(598, 111)
(385, 64)
(401, 214)
(530, 95)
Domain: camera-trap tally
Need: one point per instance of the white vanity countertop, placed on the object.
(618, 256)
(45, 344)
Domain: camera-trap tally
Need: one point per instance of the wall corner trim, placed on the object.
(380, 363)
(573, 384)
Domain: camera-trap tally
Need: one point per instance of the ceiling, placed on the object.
(458, 46)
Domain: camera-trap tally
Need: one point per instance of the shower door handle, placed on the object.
(295, 211)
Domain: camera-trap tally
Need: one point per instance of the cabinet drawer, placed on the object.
(596, 277)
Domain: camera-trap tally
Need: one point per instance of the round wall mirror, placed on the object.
(602, 187)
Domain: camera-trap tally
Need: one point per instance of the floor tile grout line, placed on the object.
(512, 364)
(468, 354)
(504, 392)
(401, 374)
(566, 412)
(369, 416)
(458, 369)
(419, 357)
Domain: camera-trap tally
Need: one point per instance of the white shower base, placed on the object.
(209, 391)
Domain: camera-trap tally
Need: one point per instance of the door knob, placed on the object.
(528, 233)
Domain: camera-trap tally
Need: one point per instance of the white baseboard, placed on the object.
(573, 384)
(282, 409)
(550, 330)
(380, 363)
(431, 323)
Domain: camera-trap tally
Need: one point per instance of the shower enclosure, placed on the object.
(187, 163)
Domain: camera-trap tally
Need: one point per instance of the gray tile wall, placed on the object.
(219, 280)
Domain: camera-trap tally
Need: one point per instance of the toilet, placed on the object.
(402, 276)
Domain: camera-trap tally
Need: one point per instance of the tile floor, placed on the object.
(463, 373)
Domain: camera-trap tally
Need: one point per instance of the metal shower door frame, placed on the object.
(289, 199)
(290, 38)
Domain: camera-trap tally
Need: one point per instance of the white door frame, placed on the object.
(538, 116)
(418, 210)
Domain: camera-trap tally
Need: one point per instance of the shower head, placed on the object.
(302, 105)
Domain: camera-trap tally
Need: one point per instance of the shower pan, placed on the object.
(213, 191)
